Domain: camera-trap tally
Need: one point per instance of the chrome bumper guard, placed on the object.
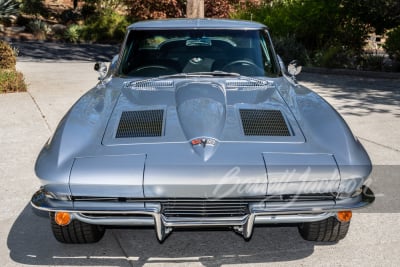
(149, 213)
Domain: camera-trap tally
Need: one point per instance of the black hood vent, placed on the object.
(141, 123)
(259, 122)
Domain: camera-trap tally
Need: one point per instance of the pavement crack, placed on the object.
(122, 249)
(40, 111)
(378, 144)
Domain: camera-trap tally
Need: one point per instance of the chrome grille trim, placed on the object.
(259, 122)
(217, 208)
(141, 123)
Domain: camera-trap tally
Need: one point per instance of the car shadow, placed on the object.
(30, 241)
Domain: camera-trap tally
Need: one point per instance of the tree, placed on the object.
(379, 14)
(195, 9)
(316, 24)
(155, 9)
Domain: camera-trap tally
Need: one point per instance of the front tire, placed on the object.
(76, 232)
(328, 230)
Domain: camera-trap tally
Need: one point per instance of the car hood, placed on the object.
(163, 111)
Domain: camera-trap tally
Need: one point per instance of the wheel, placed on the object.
(328, 230)
(76, 232)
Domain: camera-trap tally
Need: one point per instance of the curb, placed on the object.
(360, 73)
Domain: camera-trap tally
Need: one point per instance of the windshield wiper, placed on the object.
(201, 74)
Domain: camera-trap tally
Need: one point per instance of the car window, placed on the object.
(152, 53)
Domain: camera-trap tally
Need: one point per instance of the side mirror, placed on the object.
(101, 68)
(294, 68)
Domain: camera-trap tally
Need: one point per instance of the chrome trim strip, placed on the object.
(293, 218)
(115, 220)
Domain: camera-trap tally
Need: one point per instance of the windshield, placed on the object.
(153, 53)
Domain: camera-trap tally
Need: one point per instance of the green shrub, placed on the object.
(8, 8)
(288, 48)
(7, 56)
(73, 33)
(39, 28)
(337, 56)
(11, 81)
(372, 62)
(107, 27)
(392, 44)
(318, 25)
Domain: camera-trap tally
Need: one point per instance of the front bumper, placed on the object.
(150, 213)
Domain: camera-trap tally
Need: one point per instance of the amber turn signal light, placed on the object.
(62, 218)
(344, 216)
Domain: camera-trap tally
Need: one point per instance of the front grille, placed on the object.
(142, 123)
(259, 122)
(205, 208)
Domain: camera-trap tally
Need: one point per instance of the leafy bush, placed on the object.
(39, 28)
(372, 62)
(337, 56)
(88, 10)
(34, 7)
(69, 16)
(289, 49)
(107, 27)
(155, 9)
(8, 8)
(219, 8)
(11, 81)
(392, 44)
(7, 56)
(325, 28)
(73, 33)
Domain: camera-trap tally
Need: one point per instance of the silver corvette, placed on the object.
(196, 123)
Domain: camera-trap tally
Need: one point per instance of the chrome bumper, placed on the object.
(149, 213)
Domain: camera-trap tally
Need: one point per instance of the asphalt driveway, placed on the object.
(39, 51)
(370, 106)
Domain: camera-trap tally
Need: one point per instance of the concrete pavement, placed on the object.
(370, 106)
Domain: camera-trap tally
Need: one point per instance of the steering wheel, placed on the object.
(244, 67)
(153, 70)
